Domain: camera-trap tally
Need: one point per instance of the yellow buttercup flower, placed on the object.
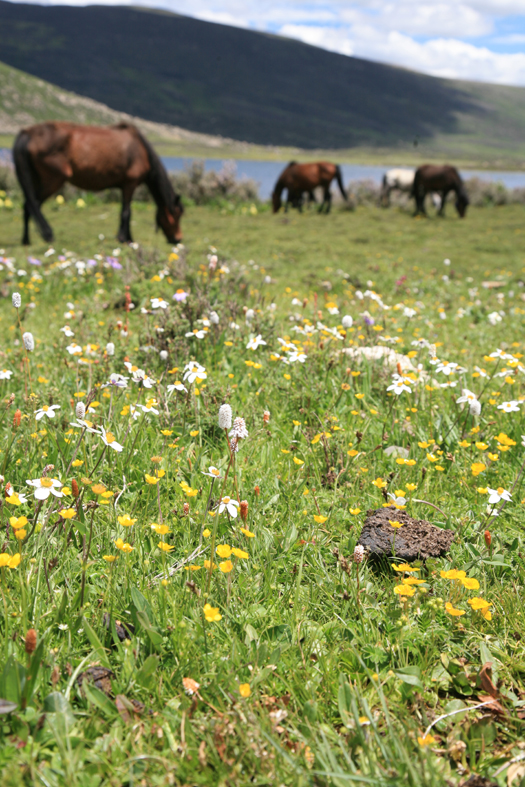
(240, 553)
(67, 513)
(150, 479)
(123, 546)
(245, 690)
(211, 614)
(125, 520)
(379, 482)
(452, 611)
(165, 547)
(245, 532)
(109, 558)
(320, 519)
(223, 550)
(17, 521)
(226, 566)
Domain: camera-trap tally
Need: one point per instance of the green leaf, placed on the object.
(344, 701)
(99, 699)
(153, 634)
(146, 675)
(411, 676)
(141, 604)
(96, 644)
(13, 680)
(251, 634)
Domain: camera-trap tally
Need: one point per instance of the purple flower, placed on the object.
(369, 321)
(33, 261)
(114, 263)
(91, 263)
(180, 295)
(62, 258)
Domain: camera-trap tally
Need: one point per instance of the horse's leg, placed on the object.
(25, 239)
(124, 233)
(441, 211)
(328, 198)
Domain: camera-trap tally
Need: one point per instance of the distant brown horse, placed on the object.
(92, 158)
(432, 178)
(300, 178)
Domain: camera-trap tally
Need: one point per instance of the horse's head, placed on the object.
(276, 200)
(462, 202)
(168, 219)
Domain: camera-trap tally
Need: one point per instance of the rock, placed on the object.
(99, 676)
(417, 539)
(479, 781)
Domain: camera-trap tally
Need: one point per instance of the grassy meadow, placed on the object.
(180, 603)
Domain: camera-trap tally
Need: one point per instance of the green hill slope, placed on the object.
(216, 84)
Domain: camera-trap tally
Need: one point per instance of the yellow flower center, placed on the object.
(110, 437)
(46, 482)
(500, 490)
(45, 408)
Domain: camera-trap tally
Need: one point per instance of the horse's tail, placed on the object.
(26, 175)
(339, 179)
(157, 179)
(276, 194)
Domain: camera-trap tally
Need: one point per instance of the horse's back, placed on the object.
(435, 177)
(400, 178)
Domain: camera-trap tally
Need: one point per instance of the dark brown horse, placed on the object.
(92, 158)
(300, 178)
(432, 178)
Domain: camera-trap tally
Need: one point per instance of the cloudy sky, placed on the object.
(470, 39)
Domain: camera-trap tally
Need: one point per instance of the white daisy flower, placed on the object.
(80, 423)
(466, 396)
(116, 381)
(495, 495)
(158, 303)
(197, 333)
(509, 407)
(230, 505)
(194, 371)
(45, 487)
(255, 342)
(176, 386)
(66, 330)
(447, 367)
(296, 356)
(149, 408)
(47, 409)
(5, 374)
(213, 472)
(74, 349)
(109, 439)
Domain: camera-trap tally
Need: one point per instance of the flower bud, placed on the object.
(214, 318)
(488, 538)
(347, 321)
(110, 348)
(266, 416)
(243, 510)
(257, 490)
(186, 509)
(17, 418)
(80, 410)
(47, 469)
(163, 355)
(74, 488)
(29, 342)
(17, 300)
(30, 641)
(359, 553)
(225, 416)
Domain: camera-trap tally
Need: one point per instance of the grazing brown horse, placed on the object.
(432, 178)
(92, 158)
(298, 178)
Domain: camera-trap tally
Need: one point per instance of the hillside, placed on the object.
(241, 84)
(25, 99)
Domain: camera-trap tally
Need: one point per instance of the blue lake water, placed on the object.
(265, 173)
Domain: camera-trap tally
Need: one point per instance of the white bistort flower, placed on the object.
(110, 348)
(48, 410)
(225, 416)
(45, 487)
(16, 299)
(239, 430)
(475, 407)
(347, 321)
(230, 505)
(29, 342)
(80, 410)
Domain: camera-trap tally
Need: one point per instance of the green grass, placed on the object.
(343, 678)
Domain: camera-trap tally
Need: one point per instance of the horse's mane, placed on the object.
(157, 180)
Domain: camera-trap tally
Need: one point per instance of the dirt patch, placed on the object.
(416, 539)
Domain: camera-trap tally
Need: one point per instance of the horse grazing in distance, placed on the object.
(300, 178)
(396, 180)
(92, 158)
(441, 179)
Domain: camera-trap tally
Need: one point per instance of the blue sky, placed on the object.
(470, 39)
